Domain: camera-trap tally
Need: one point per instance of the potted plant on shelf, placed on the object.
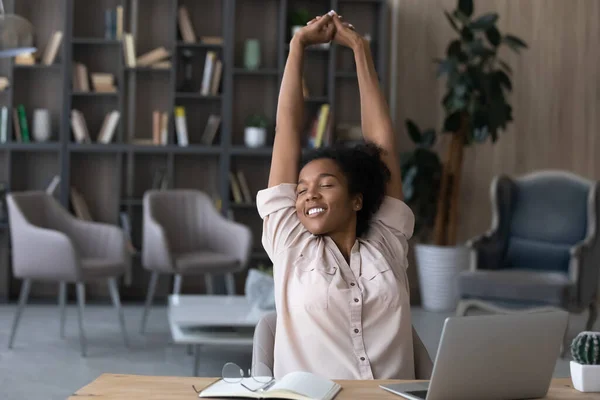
(255, 132)
(585, 366)
(298, 18)
(476, 110)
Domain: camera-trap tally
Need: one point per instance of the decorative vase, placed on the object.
(252, 54)
(41, 125)
(255, 137)
(586, 378)
(438, 268)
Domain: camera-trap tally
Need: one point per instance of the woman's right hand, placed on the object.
(345, 34)
(319, 30)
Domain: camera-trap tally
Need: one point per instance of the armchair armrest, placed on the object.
(224, 232)
(98, 240)
(41, 253)
(155, 247)
(584, 269)
(488, 251)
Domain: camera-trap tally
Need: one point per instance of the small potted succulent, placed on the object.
(585, 366)
(255, 132)
(298, 18)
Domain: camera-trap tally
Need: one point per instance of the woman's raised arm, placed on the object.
(375, 117)
(287, 146)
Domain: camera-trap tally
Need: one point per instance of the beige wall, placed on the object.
(556, 97)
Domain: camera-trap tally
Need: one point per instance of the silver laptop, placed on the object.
(492, 357)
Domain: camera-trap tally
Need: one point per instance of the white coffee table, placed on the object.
(212, 320)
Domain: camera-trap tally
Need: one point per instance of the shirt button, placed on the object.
(362, 359)
(356, 300)
(356, 331)
(352, 284)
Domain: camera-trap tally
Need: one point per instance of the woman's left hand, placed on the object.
(345, 34)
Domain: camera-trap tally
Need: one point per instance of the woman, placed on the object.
(336, 229)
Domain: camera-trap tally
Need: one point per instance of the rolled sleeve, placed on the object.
(281, 226)
(397, 216)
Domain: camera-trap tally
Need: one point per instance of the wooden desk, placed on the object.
(137, 387)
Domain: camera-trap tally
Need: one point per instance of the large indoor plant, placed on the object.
(476, 110)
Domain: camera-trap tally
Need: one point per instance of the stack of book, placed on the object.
(320, 133)
(211, 78)
(49, 55)
(103, 82)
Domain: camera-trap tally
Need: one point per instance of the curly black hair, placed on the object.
(366, 173)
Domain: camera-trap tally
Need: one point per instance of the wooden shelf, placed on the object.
(95, 94)
(256, 72)
(249, 151)
(33, 146)
(53, 67)
(183, 45)
(197, 96)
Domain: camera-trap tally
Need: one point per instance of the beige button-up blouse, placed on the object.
(339, 320)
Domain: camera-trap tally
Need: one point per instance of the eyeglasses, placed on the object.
(260, 373)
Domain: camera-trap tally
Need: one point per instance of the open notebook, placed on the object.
(293, 386)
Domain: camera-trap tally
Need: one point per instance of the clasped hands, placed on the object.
(326, 28)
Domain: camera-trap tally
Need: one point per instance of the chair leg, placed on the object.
(114, 294)
(62, 303)
(177, 284)
(593, 314)
(149, 298)
(80, 286)
(208, 282)
(25, 286)
(230, 283)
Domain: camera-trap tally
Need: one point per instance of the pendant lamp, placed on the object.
(16, 34)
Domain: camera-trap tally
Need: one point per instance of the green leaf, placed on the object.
(486, 21)
(493, 35)
(445, 67)
(505, 66)
(466, 7)
(413, 131)
(503, 79)
(467, 34)
(452, 122)
(454, 49)
(452, 21)
(514, 43)
(428, 138)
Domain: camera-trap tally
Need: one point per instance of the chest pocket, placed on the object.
(310, 283)
(381, 284)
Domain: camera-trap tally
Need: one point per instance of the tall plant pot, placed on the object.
(438, 268)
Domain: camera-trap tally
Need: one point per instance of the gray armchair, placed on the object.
(183, 234)
(543, 250)
(263, 345)
(50, 244)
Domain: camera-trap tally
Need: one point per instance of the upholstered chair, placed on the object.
(50, 244)
(185, 235)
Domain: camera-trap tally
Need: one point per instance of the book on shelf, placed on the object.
(113, 23)
(181, 126)
(209, 65)
(166, 64)
(129, 50)
(25, 59)
(293, 386)
(210, 131)
(16, 125)
(320, 133)
(160, 128)
(186, 29)
(4, 124)
(80, 206)
(160, 180)
(235, 189)
(212, 40)
(4, 83)
(80, 78)
(79, 127)
(103, 82)
(153, 56)
(24, 127)
(52, 47)
(53, 185)
(109, 127)
(247, 195)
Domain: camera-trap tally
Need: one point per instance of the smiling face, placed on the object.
(324, 204)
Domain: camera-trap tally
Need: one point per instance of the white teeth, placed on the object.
(315, 210)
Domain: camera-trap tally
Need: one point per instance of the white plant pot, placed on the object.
(586, 378)
(438, 268)
(255, 137)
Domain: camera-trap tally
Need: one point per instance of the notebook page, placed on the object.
(306, 384)
(226, 389)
